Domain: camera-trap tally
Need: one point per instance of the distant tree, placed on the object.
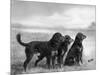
(92, 26)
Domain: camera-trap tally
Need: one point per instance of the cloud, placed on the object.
(50, 15)
(72, 18)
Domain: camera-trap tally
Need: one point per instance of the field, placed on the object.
(18, 54)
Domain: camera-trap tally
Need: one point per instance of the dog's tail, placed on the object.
(18, 37)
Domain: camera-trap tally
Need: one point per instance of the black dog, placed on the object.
(44, 49)
(49, 49)
(74, 55)
(63, 48)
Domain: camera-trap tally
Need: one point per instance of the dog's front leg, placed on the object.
(48, 61)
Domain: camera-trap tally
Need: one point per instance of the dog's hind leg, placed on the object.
(39, 59)
(29, 56)
(53, 59)
(81, 59)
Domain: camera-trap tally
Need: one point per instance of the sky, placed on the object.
(52, 15)
(31, 16)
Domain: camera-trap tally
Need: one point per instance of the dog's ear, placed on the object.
(79, 35)
(56, 37)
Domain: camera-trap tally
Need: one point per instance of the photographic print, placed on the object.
(52, 37)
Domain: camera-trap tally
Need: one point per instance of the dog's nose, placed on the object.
(71, 40)
(84, 37)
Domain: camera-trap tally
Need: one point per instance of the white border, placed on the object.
(90, 2)
(5, 36)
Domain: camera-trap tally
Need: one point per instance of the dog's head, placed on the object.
(68, 39)
(80, 36)
(56, 39)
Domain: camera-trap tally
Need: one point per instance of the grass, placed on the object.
(18, 56)
(17, 68)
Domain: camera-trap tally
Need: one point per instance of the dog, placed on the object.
(63, 48)
(31, 48)
(74, 55)
(49, 49)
